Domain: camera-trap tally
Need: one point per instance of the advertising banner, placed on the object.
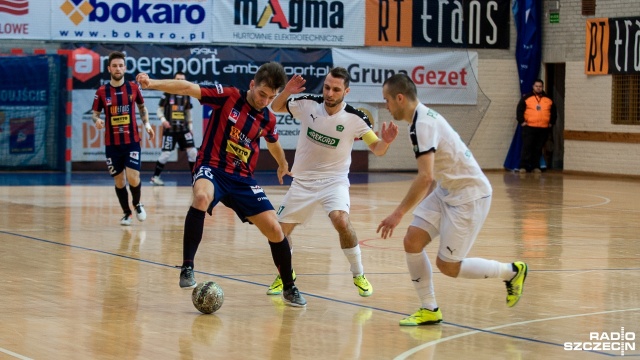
(25, 19)
(440, 77)
(148, 21)
(452, 24)
(612, 46)
(289, 22)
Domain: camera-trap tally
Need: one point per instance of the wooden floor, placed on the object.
(74, 284)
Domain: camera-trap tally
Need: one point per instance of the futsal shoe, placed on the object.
(140, 213)
(364, 287)
(292, 297)
(126, 220)
(422, 317)
(516, 284)
(187, 281)
(276, 286)
(156, 181)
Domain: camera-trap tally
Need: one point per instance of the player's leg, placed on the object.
(186, 142)
(460, 227)
(132, 171)
(115, 166)
(168, 145)
(423, 228)
(204, 188)
(276, 286)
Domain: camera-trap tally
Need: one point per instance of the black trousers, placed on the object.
(533, 140)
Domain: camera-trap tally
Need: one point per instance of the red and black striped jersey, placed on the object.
(231, 141)
(120, 114)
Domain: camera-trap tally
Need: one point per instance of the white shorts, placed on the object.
(300, 201)
(458, 226)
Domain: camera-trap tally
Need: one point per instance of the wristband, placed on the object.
(147, 126)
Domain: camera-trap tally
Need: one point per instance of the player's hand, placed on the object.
(99, 124)
(282, 171)
(167, 125)
(390, 133)
(143, 80)
(151, 133)
(295, 85)
(388, 224)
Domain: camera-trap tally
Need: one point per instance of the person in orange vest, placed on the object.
(537, 113)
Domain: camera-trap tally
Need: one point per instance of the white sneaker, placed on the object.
(155, 180)
(126, 220)
(140, 213)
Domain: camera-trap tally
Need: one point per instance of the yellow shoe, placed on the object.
(516, 284)
(276, 286)
(364, 287)
(422, 317)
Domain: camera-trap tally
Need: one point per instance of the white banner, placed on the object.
(440, 77)
(149, 21)
(25, 19)
(87, 142)
(285, 22)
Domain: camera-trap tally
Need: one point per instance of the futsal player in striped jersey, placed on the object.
(121, 136)
(227, 158)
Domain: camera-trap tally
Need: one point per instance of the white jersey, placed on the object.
(326, 141)
(459, 177)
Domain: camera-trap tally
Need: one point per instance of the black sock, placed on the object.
(135, 193)
(281, 254)
(123, 198)
(193, 227)
(159, 168)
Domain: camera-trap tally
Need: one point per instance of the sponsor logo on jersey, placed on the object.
(321, 139)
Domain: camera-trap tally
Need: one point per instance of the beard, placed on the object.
(334, 103)
(115, 77)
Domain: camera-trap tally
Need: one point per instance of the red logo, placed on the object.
(14, 7)
(86, 64)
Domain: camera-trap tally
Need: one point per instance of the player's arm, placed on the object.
(422, 186)
(379, 146)
(275, 149)
(295, 85)
(144, 116)
(95, 116)
(163, 120)
(180, 87)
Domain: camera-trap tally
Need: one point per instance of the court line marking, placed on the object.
(11, 353)
(414, 350)
(234, 277)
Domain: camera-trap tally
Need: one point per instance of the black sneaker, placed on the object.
(292, 297)
(187, 281)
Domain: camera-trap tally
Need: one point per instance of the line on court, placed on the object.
(490, 330)
(11, 353)
(405, 355)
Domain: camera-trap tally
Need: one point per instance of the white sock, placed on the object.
(477, 268)
(355, 259)
(421, 277)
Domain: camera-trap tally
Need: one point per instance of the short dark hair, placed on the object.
(179, 73)
(116, 55)
(540, 81)
(340, 73)
(271, 75)
(401, 84)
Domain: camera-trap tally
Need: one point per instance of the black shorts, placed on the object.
(242, 195)
(121, 156)
(170, 139)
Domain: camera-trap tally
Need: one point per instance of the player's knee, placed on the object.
(164, 157)
(192, 154)
(201, 199)
(340, 221)
(451, 269)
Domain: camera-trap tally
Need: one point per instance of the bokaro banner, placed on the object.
(148, 21)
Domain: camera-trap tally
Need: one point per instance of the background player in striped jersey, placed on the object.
(121, 137)
(174, 112)
(226, 160)
(322, 160)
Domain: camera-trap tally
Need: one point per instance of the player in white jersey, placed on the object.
(453, 197)
(321, 165)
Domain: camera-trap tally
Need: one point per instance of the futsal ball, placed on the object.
(207, 297)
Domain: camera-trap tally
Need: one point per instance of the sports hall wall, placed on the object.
(487, 125)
